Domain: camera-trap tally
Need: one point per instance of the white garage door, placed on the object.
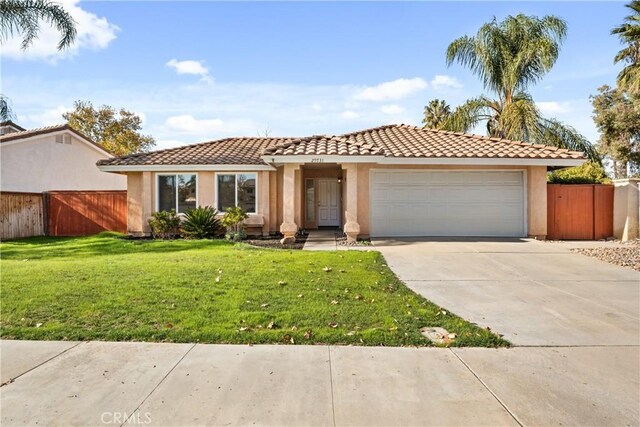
(447, 203)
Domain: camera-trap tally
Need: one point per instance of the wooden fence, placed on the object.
(62, 213)
(579, 212)
(82, 213)
(21, 215)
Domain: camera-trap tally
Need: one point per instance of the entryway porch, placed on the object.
(319, 195)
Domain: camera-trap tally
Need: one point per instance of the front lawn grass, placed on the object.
(109, 288)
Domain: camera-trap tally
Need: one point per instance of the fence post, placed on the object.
(45, 212)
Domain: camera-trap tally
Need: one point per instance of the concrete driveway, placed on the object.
(534, 293)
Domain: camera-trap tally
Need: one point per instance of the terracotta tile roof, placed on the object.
(323, 145)
(33, 132)
(13, 136)
(399, 141)
(411, 141)
(12, 124)
(229, 151)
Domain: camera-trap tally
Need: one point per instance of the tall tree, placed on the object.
(6, 112)
(23, 17)
(629, 34)
(617, 117)
(509, 57)
(116, 131)
(436, 114)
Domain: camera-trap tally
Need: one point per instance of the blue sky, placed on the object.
(198, 71)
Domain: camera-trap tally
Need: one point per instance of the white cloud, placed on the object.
(187, 124)
(440, 82)
(553, 107)
(349, 115)
(93, 32)
(183, 114)
(168, 143)
(395, 89)
(392, 109)
(49, 117)
(190, 67)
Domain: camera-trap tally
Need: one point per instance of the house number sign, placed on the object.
(317, 160)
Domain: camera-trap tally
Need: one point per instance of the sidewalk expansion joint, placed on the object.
(333, 406)
(10, 380)
(495, 396)
(157, 385)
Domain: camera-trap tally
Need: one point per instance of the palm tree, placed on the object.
(435, 114)
(629, 33)
(6, 112)
(508, 57)
(24, 16)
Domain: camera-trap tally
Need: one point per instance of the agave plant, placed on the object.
(201, 223)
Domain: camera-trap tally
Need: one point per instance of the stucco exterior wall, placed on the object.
(626, 208)
(207, 189)
(537, 202)
(134, 203)
(141, 195)
(41, 164)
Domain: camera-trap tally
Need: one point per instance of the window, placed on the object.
(310, 200)
(177, 192)
(237, 189)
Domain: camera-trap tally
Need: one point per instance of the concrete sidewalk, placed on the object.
(106, 383)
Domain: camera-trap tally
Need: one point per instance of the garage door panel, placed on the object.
(447, 203)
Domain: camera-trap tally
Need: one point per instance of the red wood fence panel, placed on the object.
(579, 212)
(603, 211)
(82, 213)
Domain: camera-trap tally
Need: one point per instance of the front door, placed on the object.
(328, 203)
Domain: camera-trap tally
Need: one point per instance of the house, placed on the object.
(52, 158)
(394, 180)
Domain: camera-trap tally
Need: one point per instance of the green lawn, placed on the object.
(108, 288)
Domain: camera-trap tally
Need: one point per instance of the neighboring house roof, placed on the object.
(389, 142)
(30, 133)
(9, 123)
(323, 145)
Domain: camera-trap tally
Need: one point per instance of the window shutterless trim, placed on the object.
(175, 175)
(255, 204)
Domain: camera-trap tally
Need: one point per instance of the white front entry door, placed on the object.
(328, 203)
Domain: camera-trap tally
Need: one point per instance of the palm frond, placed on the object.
(510, 55)
(555, 133)
(468, 115)
(519, 120)
(6, 112)
(24, 16)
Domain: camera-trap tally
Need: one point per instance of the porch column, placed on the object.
(351, 226)
(148, 200)
(289, 228)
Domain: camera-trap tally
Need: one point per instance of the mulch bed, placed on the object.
(273, 242)
(342, 241)
(627, 256)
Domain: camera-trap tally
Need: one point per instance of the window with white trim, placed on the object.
(177, 192)
(237, 189)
